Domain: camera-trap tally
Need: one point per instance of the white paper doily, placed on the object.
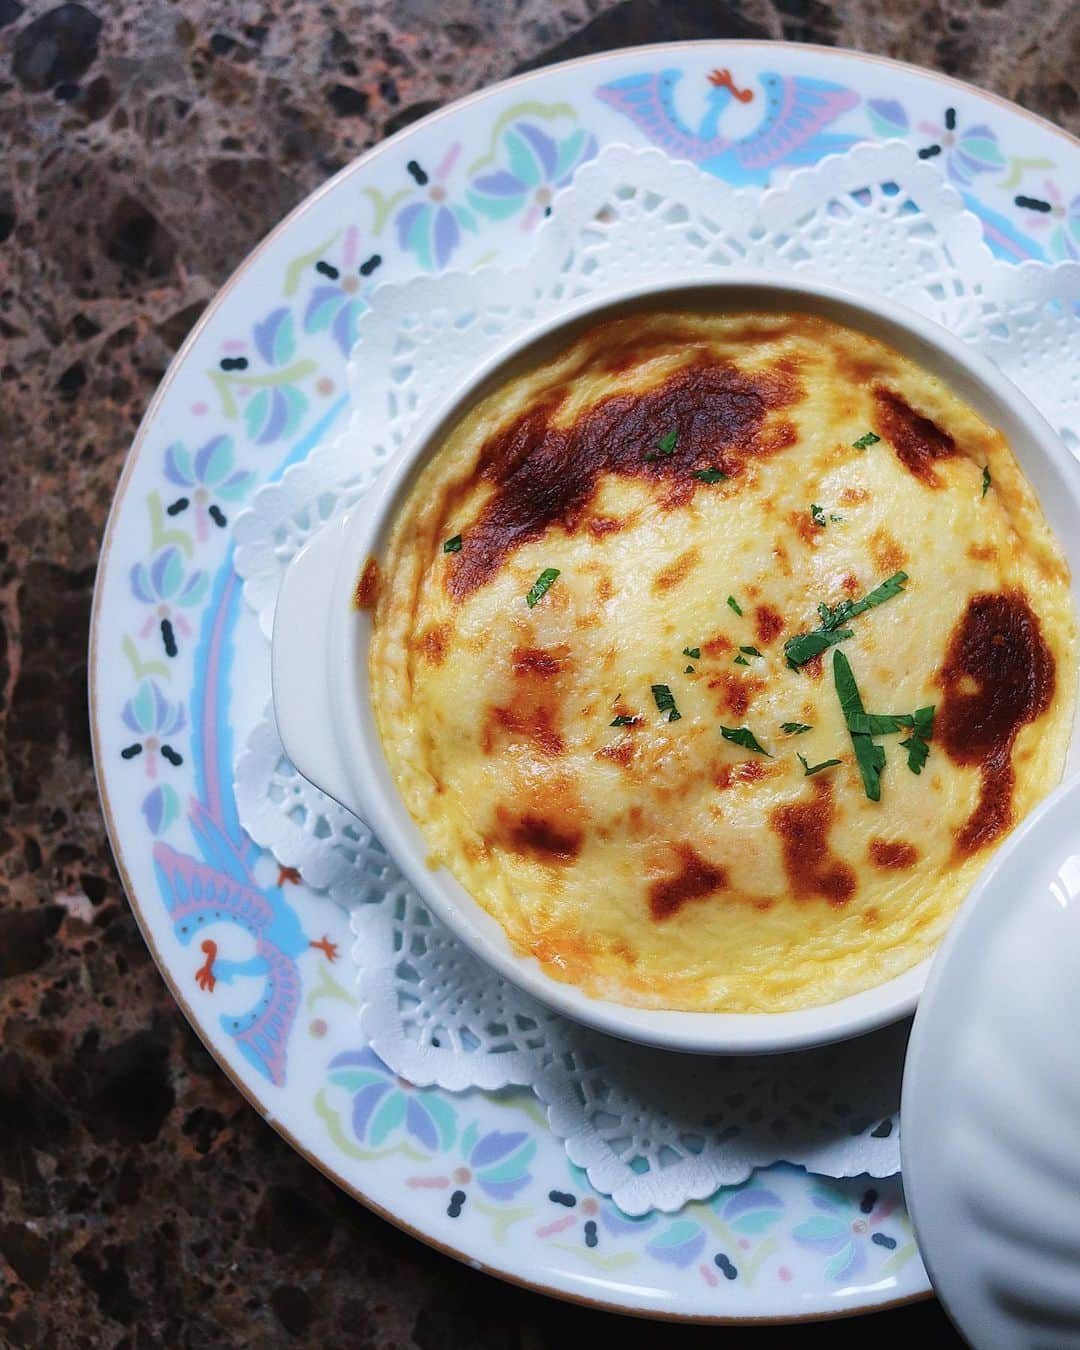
(653, 1130)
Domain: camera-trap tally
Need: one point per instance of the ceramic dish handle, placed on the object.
(301, 677)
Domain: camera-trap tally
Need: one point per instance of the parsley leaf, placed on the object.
(879, 724)
(745, 737)
(711, 475)
(987, 480)
(625, 720)
(817, 514)
(803, 646)
(452, 545)
(541, 585)
(740, 661)
(689, 670)
(694, 653)
(665, 702)
(667, 443)
(917, 744)
(750, 651)
(868, 754)
(865, 441)
(809, 769)
(734, 604)
(795, 728)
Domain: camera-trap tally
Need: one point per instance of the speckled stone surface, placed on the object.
(145, 147)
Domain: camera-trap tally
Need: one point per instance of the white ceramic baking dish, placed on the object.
(320, 648)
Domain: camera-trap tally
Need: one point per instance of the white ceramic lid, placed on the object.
(991, 1097)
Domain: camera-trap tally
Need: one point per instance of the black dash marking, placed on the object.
(181, 504)
(234, 363)
(172, 756)
(591, 1238)
(950, 119)
(366, 268)
(130, 751)
(217, 515)
(724, 1266)
(929, 151)
(168, 637)
(1034, 204)
(562, 1198)
(416, 173)
(869, 1200)
(327, 270)
(457, 1200)
(883, 1240)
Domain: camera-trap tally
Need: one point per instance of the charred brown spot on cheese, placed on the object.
(886, 551)
(768, 623)
(892, 854)
(854, 496)
(676, 572)
(918, 441)
(783, 559)
(749, 771)
(598, 526)
(622, 752)
(982, 552)
(543, 662)
(806, 527)
(813, 870)
(695, 879)
(737, 692)
(850, 585)
(998, 675)
(718, 646)
(534, 726)
(814, 668)
(366, 594)
(434, 642)
(544, 474)
(539, 836)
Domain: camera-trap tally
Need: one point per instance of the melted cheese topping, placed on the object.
(658, 863)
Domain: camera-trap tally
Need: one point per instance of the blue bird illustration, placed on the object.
(221, 887)
(790, 132)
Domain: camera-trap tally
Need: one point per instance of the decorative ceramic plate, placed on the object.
(180, 671)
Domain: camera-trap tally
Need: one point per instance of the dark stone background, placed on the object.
(145, 146)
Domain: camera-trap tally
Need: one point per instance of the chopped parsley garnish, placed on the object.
(541, 585)
(665, 702)
(803, 646)
(694, 653)
(689, 670)
(868, 754)
(745, 737)
(987, 480)
(866, 441)
(625, 720)
(836, 518)
(734, 604)
(795, 728)
(750, 651)
(879, 724)
(817, 514)
(917, 744)
(710, 475)
(452, 545)
(741, 661)
(809, 769)
(665, 445)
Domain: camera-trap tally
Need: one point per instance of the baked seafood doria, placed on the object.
(715, 656)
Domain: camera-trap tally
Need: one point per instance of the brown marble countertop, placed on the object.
(145, 147)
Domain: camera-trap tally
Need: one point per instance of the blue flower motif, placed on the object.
(167, 583)
(210, 477)
(843, 1230)
(274, 412)
(967, 152)
(583, 1206)
(274, 339)
(748, 1210)
(679, 1243)
(154, 720)
(160, 807)
(386, 1108)
(535, 166)
(498, 1161)
(430, 228)
(1062, 218)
